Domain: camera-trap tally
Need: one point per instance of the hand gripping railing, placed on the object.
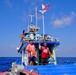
(34, 69)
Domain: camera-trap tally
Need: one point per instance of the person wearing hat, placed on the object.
(31, 53)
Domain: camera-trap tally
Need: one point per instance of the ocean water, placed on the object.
(5, 62)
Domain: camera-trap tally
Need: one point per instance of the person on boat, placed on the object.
(44, 53)
(23, 35)
(31, 53)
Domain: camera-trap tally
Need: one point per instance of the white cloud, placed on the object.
(64, 20)
(8, 3)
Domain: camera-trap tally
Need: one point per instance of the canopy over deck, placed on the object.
(23, 45)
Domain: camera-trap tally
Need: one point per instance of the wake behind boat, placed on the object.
(22, 68)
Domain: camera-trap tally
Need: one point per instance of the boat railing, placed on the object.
(40, 38)
(34, 69)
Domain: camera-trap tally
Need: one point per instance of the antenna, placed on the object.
(31, 16)
(36, 17)
(28, 24)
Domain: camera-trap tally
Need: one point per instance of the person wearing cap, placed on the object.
(31, 53)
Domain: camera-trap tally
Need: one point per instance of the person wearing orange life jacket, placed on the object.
(44, 53)
(31, 52)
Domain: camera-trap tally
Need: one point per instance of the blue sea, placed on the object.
(5, 62)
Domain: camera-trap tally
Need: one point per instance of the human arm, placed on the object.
(39, 46)
(28, 48)
(50, 53)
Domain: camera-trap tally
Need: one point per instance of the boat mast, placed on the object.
(43, 25)
(42, 12)
(36, 17)
(31, 16)
(28, 24)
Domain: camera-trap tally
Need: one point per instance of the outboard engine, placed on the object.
(16, 70)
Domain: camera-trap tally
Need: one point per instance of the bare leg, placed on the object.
(32, 63)
(28, 63)
(42, 63)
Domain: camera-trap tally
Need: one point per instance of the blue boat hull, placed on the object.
(54, 69)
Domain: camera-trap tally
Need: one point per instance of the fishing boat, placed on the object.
(52, 68)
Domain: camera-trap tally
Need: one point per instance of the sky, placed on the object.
(60, 22)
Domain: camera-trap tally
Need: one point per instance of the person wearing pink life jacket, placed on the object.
(31, 52)
(44, 53)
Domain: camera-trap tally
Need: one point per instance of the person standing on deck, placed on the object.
(31, 52)
(44, 53)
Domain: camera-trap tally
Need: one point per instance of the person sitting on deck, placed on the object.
(44, 53)
(31, 53)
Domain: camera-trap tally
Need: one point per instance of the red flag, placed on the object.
(45, 7)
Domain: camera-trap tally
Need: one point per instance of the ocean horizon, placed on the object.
(5, 62)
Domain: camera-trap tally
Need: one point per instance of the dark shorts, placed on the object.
(31, 59)
(44, 60)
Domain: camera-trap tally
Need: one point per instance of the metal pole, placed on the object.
(31, 17)
(36, 16)
(28, 24)
(22, 56)
(43, 25)
(54, 56)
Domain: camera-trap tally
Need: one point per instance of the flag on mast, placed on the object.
(45, 7)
